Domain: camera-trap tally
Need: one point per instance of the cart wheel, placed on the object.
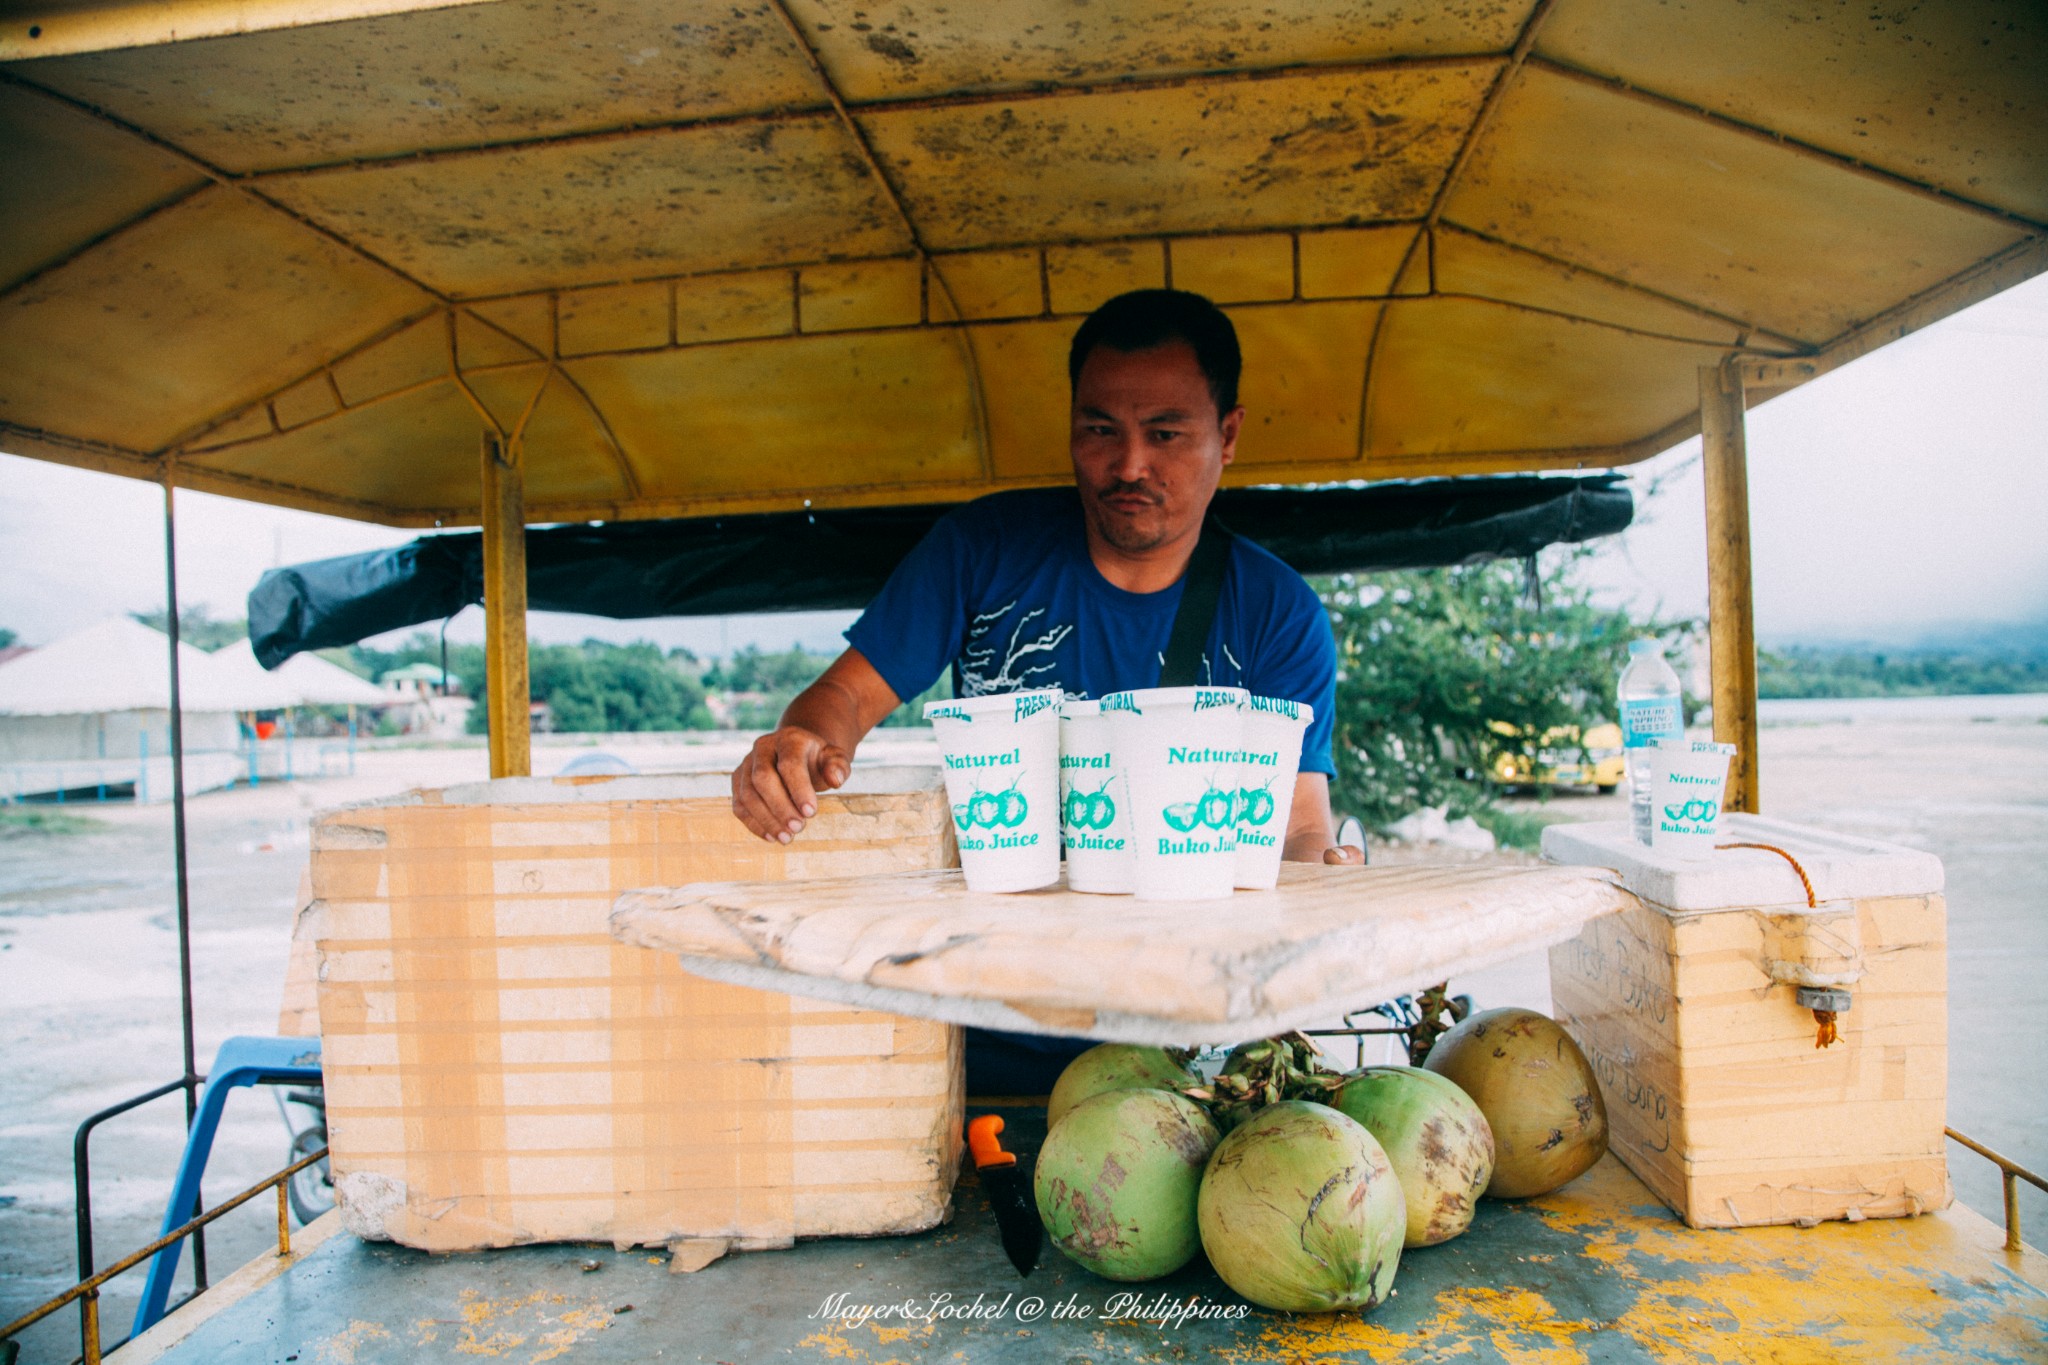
(312, 1190)
(1461, 1007)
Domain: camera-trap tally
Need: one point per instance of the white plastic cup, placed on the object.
(1264, 799)
(1095, 803)
(1179, 750)
(1001, 756)
(1686, 779)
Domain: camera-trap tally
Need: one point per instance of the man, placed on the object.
(1077, 589)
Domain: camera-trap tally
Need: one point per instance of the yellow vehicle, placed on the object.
(1561, 757)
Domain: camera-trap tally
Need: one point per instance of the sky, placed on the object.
(1899, 497)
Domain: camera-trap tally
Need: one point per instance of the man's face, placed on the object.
(1148, 444)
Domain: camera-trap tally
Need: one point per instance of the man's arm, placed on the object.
(1309, 838)
(775, 788)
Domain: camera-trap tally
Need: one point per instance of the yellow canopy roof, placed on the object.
(704, 257)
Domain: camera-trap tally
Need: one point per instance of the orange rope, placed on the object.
(1826, 1033)
(1804, 880)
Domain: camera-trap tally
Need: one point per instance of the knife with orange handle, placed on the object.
(1009, 1194)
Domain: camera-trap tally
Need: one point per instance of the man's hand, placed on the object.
(775, 788)
(1309, 839)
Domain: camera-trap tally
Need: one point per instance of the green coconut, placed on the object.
(1438, 1141)
(1117, 1181)
(1538, 1093)
(1117, 1066)
(1300, 1210)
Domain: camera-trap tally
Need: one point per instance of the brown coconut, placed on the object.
(1537, 1091)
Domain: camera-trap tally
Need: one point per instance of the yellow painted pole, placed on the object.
(506, 690)
(1731, 613)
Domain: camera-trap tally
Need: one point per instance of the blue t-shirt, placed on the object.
(1003, 591)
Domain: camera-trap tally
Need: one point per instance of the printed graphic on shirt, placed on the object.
(1024, 660)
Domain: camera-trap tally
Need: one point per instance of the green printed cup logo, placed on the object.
(1090, 810)
(1700, 812)
(1257, 804)
(1278, 706)
(1211, 810)
(1206, 700)
(1122, 701)
(992, 810)
(1027, 707)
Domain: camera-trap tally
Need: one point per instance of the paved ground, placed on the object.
(88, 962)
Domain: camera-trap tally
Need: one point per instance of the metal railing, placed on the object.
(81, 1173)
(87, 1291)
(2013, 1173)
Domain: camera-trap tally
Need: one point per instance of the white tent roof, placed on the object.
(254, 687)
(320, 683)
(302, 680)
(117, 665)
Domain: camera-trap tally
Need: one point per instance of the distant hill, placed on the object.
(1998, 660)
(2024, 640)
(2020, 641)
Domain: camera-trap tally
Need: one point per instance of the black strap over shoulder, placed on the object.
(1200, 591)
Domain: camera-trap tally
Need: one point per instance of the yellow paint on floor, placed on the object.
(1520, 1326)
(341, 1348)
(497, 1328)
(1880, 1290)
(838, 1342)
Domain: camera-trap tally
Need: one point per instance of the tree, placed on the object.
(197, 626)
(600, 687)
(1427, 660)
(753, 670)
(597, 688)
(1811, 671)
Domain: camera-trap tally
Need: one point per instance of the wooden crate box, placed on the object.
(500, 1071)
(1718, 1097)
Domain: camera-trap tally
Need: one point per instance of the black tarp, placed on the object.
(810, 561)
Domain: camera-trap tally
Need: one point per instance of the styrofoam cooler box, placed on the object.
(499, 1070)
(1687, 1006)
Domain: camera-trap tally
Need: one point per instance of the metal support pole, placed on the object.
(506, 687)
(178, 845)
(1731, 611)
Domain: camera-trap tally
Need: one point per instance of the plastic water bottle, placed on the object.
(1651, 709)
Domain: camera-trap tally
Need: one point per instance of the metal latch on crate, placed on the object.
(1826, 1003)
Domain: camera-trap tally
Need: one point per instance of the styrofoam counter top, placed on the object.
(1841, 866)
(1326, 940)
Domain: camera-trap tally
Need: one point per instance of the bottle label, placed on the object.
(1647, 719)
